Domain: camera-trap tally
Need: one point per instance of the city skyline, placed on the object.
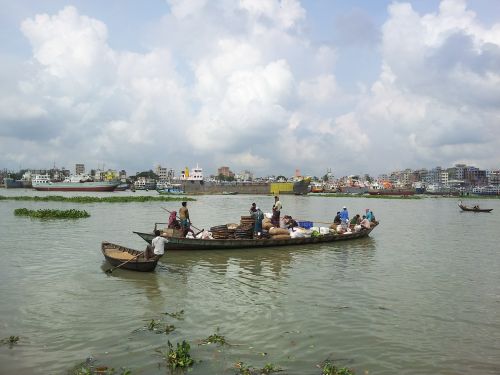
(268, 86)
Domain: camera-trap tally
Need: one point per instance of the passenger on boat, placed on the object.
(173, 223)
(290, 223)
(275, 220)
(344, 214)
(365, 223)
(369, 215)
(258, 216)
(355, 220)
(185, 220)
(157, 247)
(253, 208)
(337, 219)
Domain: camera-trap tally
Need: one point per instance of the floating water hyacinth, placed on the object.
(52, 214)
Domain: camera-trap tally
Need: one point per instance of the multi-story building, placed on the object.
(225, 171)
(79, 169)
(162, 173)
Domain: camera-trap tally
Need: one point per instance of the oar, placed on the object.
(108, 271)
(198, 229)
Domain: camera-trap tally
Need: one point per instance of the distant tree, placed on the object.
(325, 178)
(221, 177)
(230, 178)
(147, 174)
(281, 178)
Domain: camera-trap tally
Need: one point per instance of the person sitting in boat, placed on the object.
(369, 215)
(337, 220)
(289, 222)
(476, 207)
(355, 220)
(157, 247)
(365, 223)
(185, 220)
(173, 223)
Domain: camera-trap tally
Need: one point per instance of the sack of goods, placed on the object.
(324, 230)
(278, 231)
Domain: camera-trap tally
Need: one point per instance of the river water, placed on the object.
(421, 295)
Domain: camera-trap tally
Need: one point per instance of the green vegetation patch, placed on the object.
(329, 368)
(52, 214)
(244, 369)
(215, 339)
(178, 357)
(90, 367)
(11, 341)
(87, 199)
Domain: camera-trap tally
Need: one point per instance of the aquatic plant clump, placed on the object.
(88, 199)
(329, 368)
(179, 357)
(52, 214)
(215, 339)
(11, 340)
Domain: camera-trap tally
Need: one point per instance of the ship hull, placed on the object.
(83, 186)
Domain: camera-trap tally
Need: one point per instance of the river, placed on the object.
(421, 295)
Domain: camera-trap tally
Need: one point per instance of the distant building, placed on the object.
(225, 171)
(162, 173)
(79, 169)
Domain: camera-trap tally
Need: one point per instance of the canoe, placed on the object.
(472, 209)
(117, 254)
(181, 243)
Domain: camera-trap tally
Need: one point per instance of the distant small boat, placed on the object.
(474, 209)
(118, 255)
(229, 192)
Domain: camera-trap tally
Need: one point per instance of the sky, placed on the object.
(268, 86)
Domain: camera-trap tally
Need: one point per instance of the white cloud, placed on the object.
(244, 84)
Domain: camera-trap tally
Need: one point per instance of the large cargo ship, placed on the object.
(74, 183)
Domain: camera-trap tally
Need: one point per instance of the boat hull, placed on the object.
(180, 243)
(138, 264)
(468, 209)
(392, 192)
(78, 186)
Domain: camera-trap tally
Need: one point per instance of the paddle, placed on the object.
(198, 229)
(110, 270)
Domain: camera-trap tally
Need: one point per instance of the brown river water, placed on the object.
(421, 295)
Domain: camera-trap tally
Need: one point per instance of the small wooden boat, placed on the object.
(474, 209)
(118, 255)
(181, 243)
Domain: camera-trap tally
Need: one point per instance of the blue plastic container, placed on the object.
(306, 224)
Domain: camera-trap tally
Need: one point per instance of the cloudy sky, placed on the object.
(357, 86)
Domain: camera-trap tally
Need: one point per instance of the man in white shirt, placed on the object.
(157, 244)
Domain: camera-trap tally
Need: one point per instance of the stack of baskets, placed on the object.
(231, 228)
(244, 232)
(220, 232)
(247, 221)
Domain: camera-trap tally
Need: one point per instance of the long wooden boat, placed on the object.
(117, 254)
(474, 209)
(181, 243)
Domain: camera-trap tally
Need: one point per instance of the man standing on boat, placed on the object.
(185, 220)
(276, 212)
(344, 214)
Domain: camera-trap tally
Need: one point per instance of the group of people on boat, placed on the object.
(342, 221)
